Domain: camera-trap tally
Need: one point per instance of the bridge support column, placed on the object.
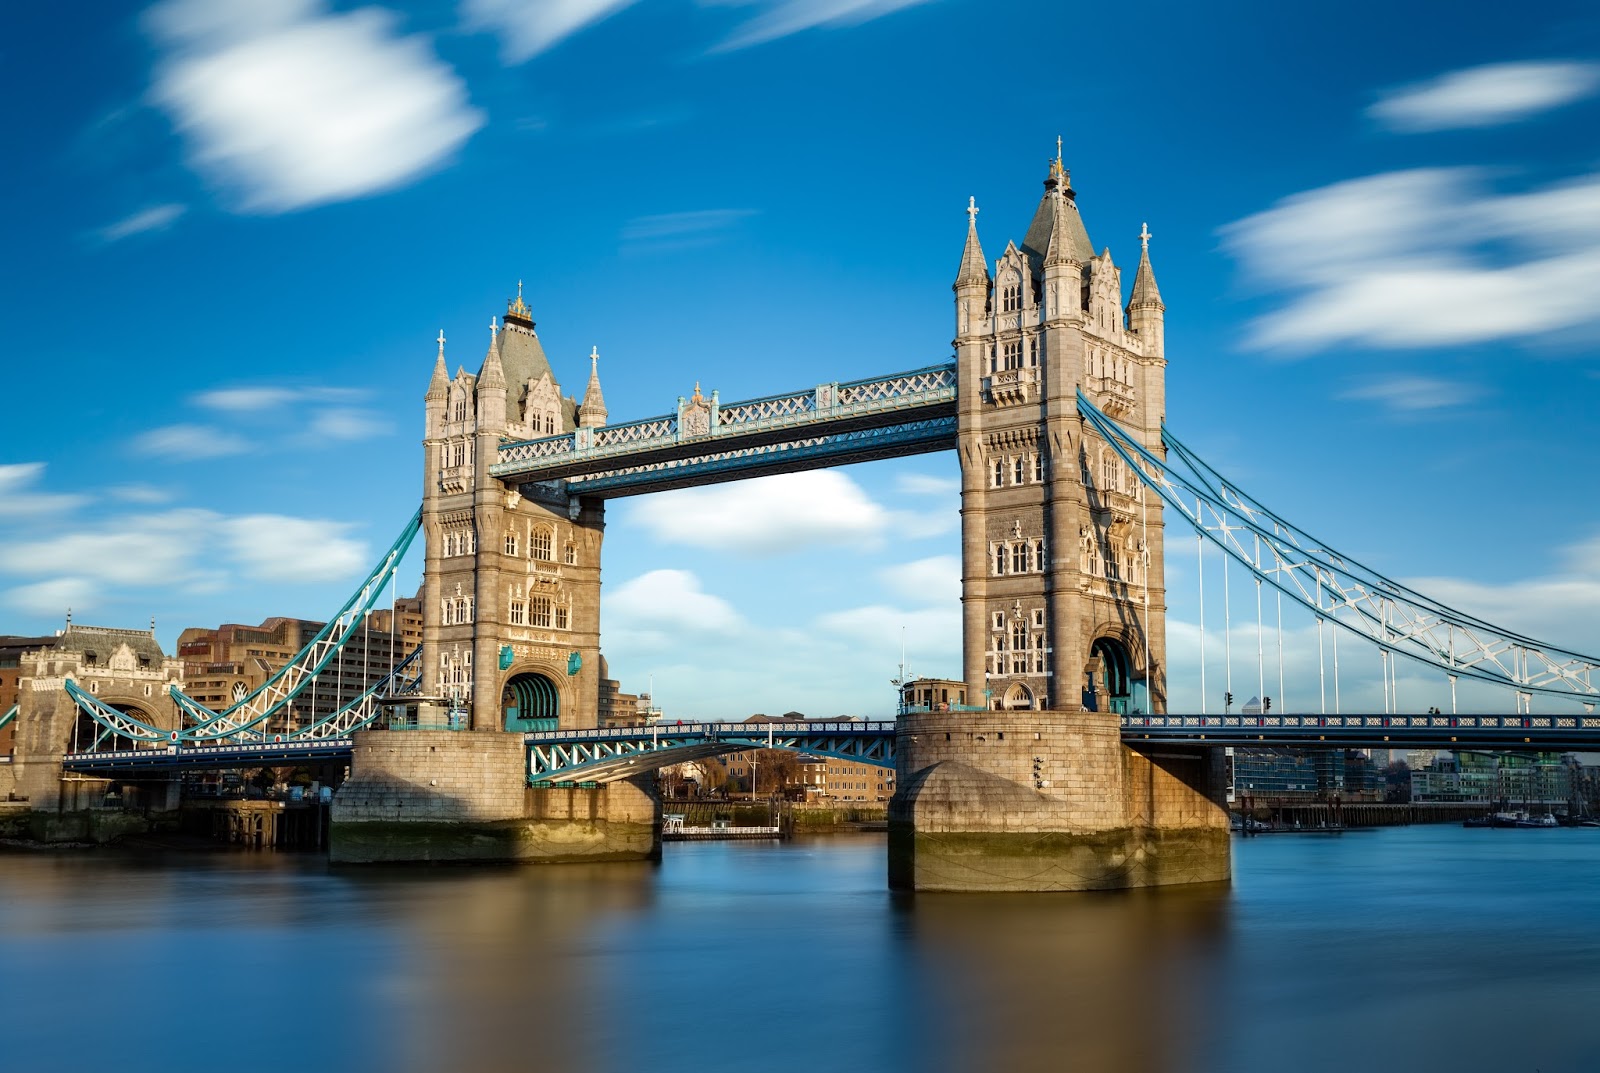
(443, 795)
(1047, 801)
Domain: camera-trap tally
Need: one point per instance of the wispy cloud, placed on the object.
(780, 18)
(19, 498)
(272, 547)
(140, 493)
(926, 484)
(190, 442)
(252, 398)
(935, 580)
(682, 230)
(1486, 96)
(768, 515)
(1415, 394)
(529, 27)
(1424, 258)
(55, 596)
(285, 105)
(345, 423)
(154, 218)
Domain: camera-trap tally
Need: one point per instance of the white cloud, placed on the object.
(189, 442)
(681, 230)
(272, 547)
(528, 27)
(253, 398)
(18, 500)
(154, 218)
(935, 580)
(345, 423)
(780, 18)
(1412, 394)
(1423, 258)
(140, 493)
(1485, 96)
(53, 597)
(669, 603)
(768, 515)
(920, 484)
(152, 549)
(287, 106)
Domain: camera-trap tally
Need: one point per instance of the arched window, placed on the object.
(518, 613)
(1010, 294)
(563, 617)
(572, 554)
(541, 611)
(1019, 650)
(1108, 472)
(449, 610)
(999, 558)
(1038, 558)
(461, 408)
(511, 543)
(1019, 558)
(1038, 468)
(541, 545)
(999, 472)
(1013, 351)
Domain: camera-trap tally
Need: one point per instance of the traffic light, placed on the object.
(1227, 700)
(1266, 705)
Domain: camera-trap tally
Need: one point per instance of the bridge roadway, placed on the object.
(613, 753)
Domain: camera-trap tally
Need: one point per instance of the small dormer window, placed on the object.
(461, 409)
(90, 659)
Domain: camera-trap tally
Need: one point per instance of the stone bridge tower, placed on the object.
(511, 581)
(1063, 598)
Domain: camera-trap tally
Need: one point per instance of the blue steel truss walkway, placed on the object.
(1544, 733)
(618, 752)
(708, 440)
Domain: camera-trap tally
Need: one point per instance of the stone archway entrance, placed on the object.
(90, 736)
(1018, 698)
(531, 701)
(1108, 682)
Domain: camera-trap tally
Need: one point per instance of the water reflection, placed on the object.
(1114, 982)
(1448, 948)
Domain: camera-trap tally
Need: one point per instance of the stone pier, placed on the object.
(1050, 801)
(440, 795)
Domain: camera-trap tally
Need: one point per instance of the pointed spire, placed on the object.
(1060, 249)
(439, 386)
(974, 268)
(1056, 221)
(1145, 292)
(592, 412)
(492, 374)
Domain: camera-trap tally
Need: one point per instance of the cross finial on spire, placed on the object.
(1145, 236)
(1058, 148)
(594, 357)
(441, 342)
(494, 327)
(519, 288)
(972, 212)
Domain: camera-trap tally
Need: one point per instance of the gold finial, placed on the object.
(516, 307)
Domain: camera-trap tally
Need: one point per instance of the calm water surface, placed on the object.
(1418, 949)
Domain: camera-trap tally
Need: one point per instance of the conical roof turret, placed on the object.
(1145, 292)
(974, 268)
(492, 375)
(592, 411)
(439, 386)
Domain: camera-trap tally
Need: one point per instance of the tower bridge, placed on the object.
(1074, 774)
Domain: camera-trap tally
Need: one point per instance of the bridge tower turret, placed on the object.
(512, 577)
(1063, 597)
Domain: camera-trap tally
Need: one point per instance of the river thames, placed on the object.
(1424, 948)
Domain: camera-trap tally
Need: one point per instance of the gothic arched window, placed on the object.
(541, 611)
(1019, 558)
(511, 543)
(542, 545)
(999, 558)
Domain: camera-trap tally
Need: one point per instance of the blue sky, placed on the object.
(234, 229)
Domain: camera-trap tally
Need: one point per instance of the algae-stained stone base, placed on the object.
(1049, 801)
(462, 796)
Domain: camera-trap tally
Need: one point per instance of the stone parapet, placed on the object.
(1038, 801)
